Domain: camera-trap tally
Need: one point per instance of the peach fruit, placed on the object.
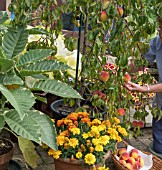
(120, 10)
(123, 162)
(131, 160)
(103, 16)
(134, 153)
(129, 166)
(121, 151)
(141, 161)
(104, 76)
(125, 156)
(127, 77)
(121, 111)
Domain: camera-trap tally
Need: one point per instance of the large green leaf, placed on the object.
(56, 87)
(33, 55)
(38, 31)
(15, 41)
(48, 132)
(6, 65)
(28, 151)
(21, 99)
(10, 78)
(43, 66)
(27, 128)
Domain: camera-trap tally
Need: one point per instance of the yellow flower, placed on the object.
(101, 127)
(116, 120)
(104, 139)
(57, 154)
(90, 159)
(73, 142)
(123, 131)
(96, 122)
(95, 131)
(99, 148)
(60, 140)
(75, 131)
(103, 168)
(78, 155)
(106, 122)
(51, 152)
(91, 149)
(85, 135)
(96, 141)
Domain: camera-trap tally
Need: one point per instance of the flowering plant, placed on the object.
(80, 138)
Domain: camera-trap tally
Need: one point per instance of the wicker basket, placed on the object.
(157, 162)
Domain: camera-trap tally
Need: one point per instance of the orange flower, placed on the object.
(85, 120)
(67, 121)
(60, 123)
(73, 116)
(64, 133)
(71, 127)
(83, 114)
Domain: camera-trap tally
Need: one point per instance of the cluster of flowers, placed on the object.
(139, 78)
(80, 138)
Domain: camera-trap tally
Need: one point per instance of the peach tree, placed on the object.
(111, 29)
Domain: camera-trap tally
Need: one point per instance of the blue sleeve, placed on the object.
(151, 55)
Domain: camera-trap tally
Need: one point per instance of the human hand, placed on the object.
(134, 87)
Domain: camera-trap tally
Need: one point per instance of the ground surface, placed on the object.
(46, 162)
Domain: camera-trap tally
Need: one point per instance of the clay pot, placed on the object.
(6, 157)
(68, 164)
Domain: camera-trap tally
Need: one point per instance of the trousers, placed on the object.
(157, 135)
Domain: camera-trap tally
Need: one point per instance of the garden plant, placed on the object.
(109, 29)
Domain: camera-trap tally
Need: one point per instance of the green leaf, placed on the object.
(6, 65)
(14, 42)
(32, 56)
(28, 151)
(43, 66)
(39, 98)
(2, 122)
(3, 17)
(56, 87)
(48, 132)
(38, 31)
(27, 128)
(10, 78)
(21, 99)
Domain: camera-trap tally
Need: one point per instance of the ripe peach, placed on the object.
(121, 111)
(103, 16)
(141, 161)
(135, 123)
(121, 11)
(131, 160)
(121, 151)
(104, 76)
(136, 166)
(127, 77)
(129, 166)
(125, 156)
(123, 162)
(140, 124)
(134, 153)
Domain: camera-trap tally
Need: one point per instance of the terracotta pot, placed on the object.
(67, 164)
(6, 157)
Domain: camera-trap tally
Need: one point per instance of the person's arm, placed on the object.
(144, 89)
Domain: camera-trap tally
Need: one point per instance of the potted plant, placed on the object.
(6, 152)
(21, 74)
(84, 143)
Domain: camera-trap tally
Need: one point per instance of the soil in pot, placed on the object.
(6, 152)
